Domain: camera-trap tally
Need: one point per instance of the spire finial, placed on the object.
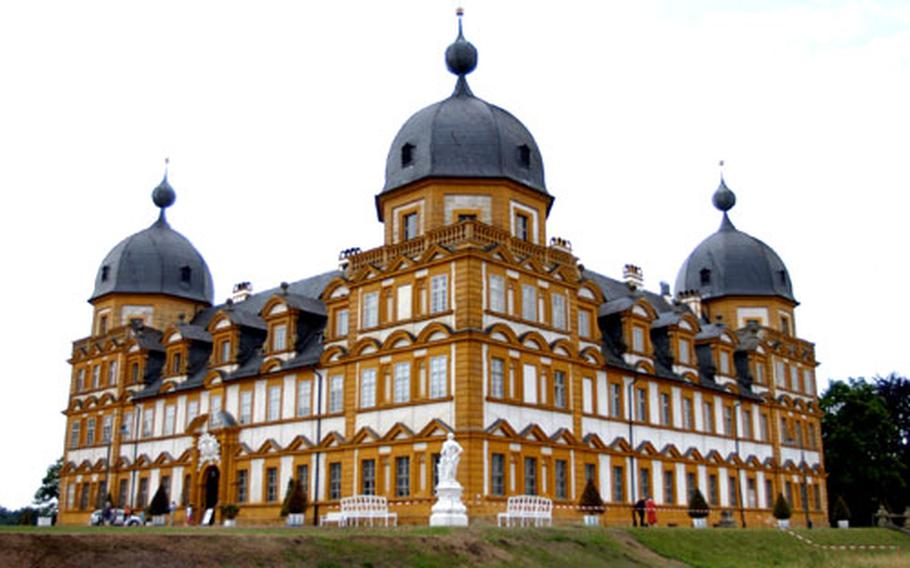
(164, 195)
(724, 199)
(461, 57)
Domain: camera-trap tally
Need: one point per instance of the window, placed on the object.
(409, 226)
(817, 497)
(274, 403)
(105, 273)
(126, 426)
(751, 493)
(785, 325)
(246, 407)
(192, 410)
(176, 363)
(728, 420)
(170, 414)
(669, 487)
(529, 383)
(123, 491)
(779, 376)
(341, 323)
(242, 483)
(303, 476)
(75, 434)
(143, 495)
(368, 477)
(371, 309)
(615, 400)
(811, 436)
(747, 424)
(112, 373)
(713, 490)
(691, 485)
(524, 156)
(439, 293)
(96, 376)
(763, 426)
(529, 302)
(687, 416)
(102, 325)
(590, 472)
(368, 388)
(336, 394)
(522, 227)
(497, 293)
(80, 380)
(784, 431)
(684, 351)
(90, 432)
(641, 405)
(402, 382)
(584, 323)
(704, 276)
(709, 417)
(732, 491)
(618, 485)
(148, 422)
(788, 490)
(186, 274)
(560, 478)
(304, 398)
(271, 484)
(497, 378)
(134, 373)
(279, 337)
(402, 476)
(530, 476)
(498, 474)
(438, 377)
(724, 363)
(769, 494)
(759, 373)
(407, 155)
(225, 351)
(794, 378)
(587, 395)
(559, 389)
(644, 482)
(467, 217)
(808, 381)
(638, 339)
(558, 309)
(665, 415)
(335, 480)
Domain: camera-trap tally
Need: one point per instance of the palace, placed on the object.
(468, 319)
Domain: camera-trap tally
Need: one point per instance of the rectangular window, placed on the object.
(274, 412)
(587, 395)
(143, 495)
(271, 484)
(126, 426)
(817, 497)
(522, 226)
(403, 303)
(794, 378)
(641, 405)
(709, 417)
(246, 407)
(96, 376)
(402, 382)
(112, 373)
(669, 487)
(498, 474)
(148, 422)
(192, 410)
(242, 483)
(644, 482)
(713, 491)
(732, 491)
(497, 293)
(788, 494)
(409, 226)
(225, 351)
(438, 377)
(759, 373)
(808, 381)
(728, 420)
(134, 372)
(439, 293)
(176, 363)
(75, 434)
(90, 432)
(123, 491)
(638, 339)
(784, 431)
(529, 302)
(747, 424)
(590, 472)
(336, 394)
(615, 400)
(529, 383)
(665, 412)
(368, 388)
(107, 425)
(215, 403)
(335, 480)
(560, 478)
(341, 323)
(584, 323)
(780, 377)
(691, 485)
(371, 309)
(303, 476)
(279, 337)
(71, 496)
(559, 389)
(687, 416)
(724, 363)
(170, 415)
(763, 426)
(530, 476)
(751, 493)
(769, 494)
(368, 477)
(497, 378)
(684, 351)
(618, 485)
(558, 309)
(402, 476)
(80, 380)
(304, 398)
(811, 436)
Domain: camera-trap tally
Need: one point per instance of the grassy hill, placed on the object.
(441, 547)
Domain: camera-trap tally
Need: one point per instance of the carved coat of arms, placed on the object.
(209, 449)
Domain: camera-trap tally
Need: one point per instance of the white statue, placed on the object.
(448, 460)
(209, 449)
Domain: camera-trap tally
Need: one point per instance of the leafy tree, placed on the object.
(590, 502)
(698, 507)
(285, 510)
(782, 509)
(297, 502)
(840, 512)
(160, 503)
(857, 428)
(894, 390)
(48, 495)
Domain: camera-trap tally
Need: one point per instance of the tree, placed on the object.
(857, 428)
(298, 502)
(160, 503)
(698, 507)
(287, 498)
(782, 510)
(48, 495)
(894, 390)
(591, 503)
(840, 512)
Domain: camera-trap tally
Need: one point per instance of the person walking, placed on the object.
(651, 510)
(638, 519)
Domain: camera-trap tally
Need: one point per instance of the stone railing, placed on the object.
(451, 235)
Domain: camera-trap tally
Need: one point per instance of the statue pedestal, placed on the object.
(449, 511)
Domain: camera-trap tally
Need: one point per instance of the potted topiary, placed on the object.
(698, 510)
(229, 514)
(159, 507)
(297, 506)
(592, 506)
(285, 511)
(841, 513)
(782, 512)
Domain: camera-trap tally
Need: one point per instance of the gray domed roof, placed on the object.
(463, 137)
(157, 260)
(733, 263)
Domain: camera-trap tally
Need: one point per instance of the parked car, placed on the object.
(118, 518)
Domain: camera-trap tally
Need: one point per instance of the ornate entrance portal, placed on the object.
(210, 481)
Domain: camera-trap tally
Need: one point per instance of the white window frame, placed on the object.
(529, 302)
(497, 293)
(370, 310)
(497, 377)
(274, 403)
(246, 407)
(336, 394)
(341, 323)
(280, 339)
(558, 310)
(304, 398)
(439, 293)
(368, 388)
(402, 390)
(438, 376)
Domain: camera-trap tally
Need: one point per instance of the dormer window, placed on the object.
(524, 156)
(407, 155)
(409, 226)
(186, 274)
(175, 363)
(279, 337)
(705, 276)
(105, 273)
(521, 226)
(134, 373)
(783, 277)
(226, 351)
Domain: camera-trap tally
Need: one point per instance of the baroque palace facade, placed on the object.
(467, 320)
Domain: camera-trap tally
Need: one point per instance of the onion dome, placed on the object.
(157, 260)
(733, 263)
(463, 136)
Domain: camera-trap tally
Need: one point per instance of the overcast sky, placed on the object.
(277, 118)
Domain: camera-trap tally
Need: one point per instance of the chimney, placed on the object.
(633, 276)
(242, 291)
(692, 299)
(665, 292)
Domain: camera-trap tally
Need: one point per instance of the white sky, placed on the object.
(277, 117)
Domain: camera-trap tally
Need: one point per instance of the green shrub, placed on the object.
(160, 504)
(230, 511)
(698, 507)
(298, 502)
(841, 511)
(285, 510)
(591, 503)
(782, 509)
